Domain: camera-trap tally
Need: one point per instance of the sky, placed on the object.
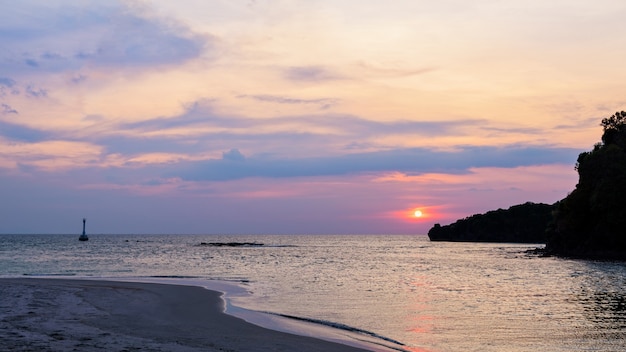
(297, 116)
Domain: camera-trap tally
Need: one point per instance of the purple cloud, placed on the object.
(36, 92)
(18, 132)
(7, 109)
(67, 35)
(324, 102)
(410, 161)
(8, 86)
(310, 74)
(233, 155)
(7, 82)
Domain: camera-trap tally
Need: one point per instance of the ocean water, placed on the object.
(428, 296)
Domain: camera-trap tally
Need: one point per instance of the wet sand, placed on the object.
(86, 315)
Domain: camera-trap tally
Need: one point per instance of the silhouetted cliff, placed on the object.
(524, 223)
(591, 221)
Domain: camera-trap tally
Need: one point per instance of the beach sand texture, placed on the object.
(86, 315)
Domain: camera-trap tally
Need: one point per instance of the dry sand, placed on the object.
(85, 315)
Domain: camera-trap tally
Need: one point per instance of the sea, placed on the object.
(404, 291)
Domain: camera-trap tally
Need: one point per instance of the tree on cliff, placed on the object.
(591, 220)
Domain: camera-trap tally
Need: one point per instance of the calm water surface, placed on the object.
(431, 296)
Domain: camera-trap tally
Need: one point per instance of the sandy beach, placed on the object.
(86, 315)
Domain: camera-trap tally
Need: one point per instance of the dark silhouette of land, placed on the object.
(232, 244)
(589, 223)
(523, 223)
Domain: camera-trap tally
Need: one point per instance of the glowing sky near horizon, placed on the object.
(279, 116)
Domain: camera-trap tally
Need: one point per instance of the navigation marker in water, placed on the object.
(83, 237)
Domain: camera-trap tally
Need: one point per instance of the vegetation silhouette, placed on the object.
(591, 221)
(523, 223)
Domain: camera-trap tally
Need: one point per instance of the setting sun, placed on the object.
(418, 213)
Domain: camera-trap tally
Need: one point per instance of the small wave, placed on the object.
(339, 326)
(44, 274)
(230, 279)
(174, 277)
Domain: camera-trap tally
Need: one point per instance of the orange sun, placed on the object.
(418, 213)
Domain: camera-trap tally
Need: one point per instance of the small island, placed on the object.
(523, 223)
(231, 244)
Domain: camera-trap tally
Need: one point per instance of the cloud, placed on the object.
(581, 124)
(7, 109)
(204, 122)
(393, 70)
(78, 78)
(522, 130)
(8, 86)
(36, 92)
(7, 82)
(67, 35)
(48, 155)
(409, 161)
(200, 131)
(137, 40)
(324, 102)
(17, 132)
(363, 127)
(310, 74)
(233, 155)
(195, 140)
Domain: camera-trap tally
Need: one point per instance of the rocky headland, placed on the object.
(523, 223)
(589, 223)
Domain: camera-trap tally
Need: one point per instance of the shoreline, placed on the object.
(92, 314)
